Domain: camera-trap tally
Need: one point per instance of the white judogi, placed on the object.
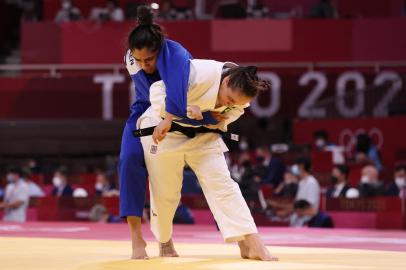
(203, 153)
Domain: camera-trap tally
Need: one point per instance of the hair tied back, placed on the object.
(144, 15)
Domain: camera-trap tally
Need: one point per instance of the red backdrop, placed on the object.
(240, 41)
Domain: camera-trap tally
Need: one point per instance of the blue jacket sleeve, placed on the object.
(174, 67)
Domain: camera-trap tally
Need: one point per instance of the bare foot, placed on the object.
(257, 249)
(244, 250)
(139, 252)
(167, 249)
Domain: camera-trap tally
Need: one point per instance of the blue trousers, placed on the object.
(132, 172)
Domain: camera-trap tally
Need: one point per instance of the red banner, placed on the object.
(295, 94)
(232, 40)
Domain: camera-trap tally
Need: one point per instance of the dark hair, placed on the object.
(62, 170)
(305, 161)
(146, 34)
(343, 170)
(246, 79)
(400, 167)
(301, 204)
(16, 170)
(363, 143)
(321, 133)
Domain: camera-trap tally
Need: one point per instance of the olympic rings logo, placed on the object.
(348, 138)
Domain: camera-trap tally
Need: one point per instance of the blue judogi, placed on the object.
(173, 68)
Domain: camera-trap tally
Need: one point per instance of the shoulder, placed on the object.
(313, 180)
(174, 49)
(131, 64)
(23, 185)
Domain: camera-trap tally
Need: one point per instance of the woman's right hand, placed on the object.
(194, 112)
(219, 116)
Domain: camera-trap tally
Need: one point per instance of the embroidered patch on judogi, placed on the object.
(153, 149)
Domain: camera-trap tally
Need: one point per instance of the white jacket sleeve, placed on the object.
(157, 95)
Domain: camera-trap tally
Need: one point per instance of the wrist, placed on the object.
(169, 116)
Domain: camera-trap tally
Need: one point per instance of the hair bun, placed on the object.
(144, 15)
(252, 70)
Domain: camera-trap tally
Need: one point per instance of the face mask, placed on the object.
(57, 181)
(243, 145)
(66, 5)
(364, 179)
(98, 186)
(295, 170)
(400, 182)
(320, 143)
(246, 164)
(334, 179)
(10, 178)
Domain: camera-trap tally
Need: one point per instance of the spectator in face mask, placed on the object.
(339, 176)
(67, 12)
(16, 197)
(60, 182)
(321, 139)
(269, 167)
(309, 188)
(396, 188)
(370, 185)
(313, 218)
(105, 186)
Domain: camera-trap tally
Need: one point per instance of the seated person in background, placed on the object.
(183, 215)
(289, 186)
(313, 218)
(68, 12)
(339, 177)
(261, 168)
(367, 152)
(370, 185)
(60, 182)
(99, 214)
(16, 197)
(272, 165)
(111, 12)
(321, 139)
(105, 186)
(308, 189)
(396, 187)
(322, 143)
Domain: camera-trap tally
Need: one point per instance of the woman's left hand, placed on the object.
(161, 130)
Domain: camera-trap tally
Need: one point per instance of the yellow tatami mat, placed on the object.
(44, 254)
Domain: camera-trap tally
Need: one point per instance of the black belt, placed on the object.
(190, 132)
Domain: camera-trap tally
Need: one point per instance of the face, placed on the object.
(303, 212)
(400, 174)
(337, 174)
(101, 179)
(146, 59)
(12, 177)
(230, 97)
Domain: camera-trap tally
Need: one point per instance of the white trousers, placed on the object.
(204, 154)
